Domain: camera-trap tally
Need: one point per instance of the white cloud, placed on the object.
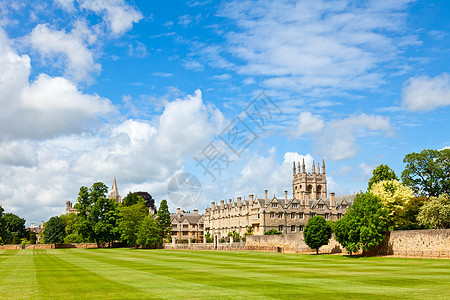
(425, 93)
(222, 77)
(293, 42)
(119, 15)
(69, 47)
(184, 20)
(45, 107)
(308, 124)
(366, 170)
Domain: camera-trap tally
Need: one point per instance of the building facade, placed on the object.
(187, 227)
(288, 215)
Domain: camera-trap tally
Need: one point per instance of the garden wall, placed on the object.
(11, 247)
(60, 246)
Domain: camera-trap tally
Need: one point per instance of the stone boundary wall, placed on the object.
(60, 246)
(416, 243)
(11, 247)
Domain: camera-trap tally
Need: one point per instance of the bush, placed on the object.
(272, 232)
(16, 239)
(73, 238)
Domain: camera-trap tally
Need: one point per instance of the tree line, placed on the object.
(105, 221)
(419, 201)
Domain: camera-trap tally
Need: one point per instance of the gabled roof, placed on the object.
(187, 218)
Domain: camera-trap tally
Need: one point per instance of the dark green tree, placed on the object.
(163, 220)
(208, 237)
(317, 233)
(130, 219)
(148, 233)
(11, 224)
(54, 231)
(427, 172)
(380, 173)
(272, 231)
(131, 199)
(365, 224)
(32, 237)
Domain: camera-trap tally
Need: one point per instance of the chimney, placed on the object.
(32, 225)
(285, 195)
(266, 192)
(195, 212)
(239, 201)
(332, 200)
(250, 200)
(178, 211)
(266, 198)
(213, 205)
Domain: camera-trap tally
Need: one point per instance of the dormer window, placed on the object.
(274, 205)
(320, 206)
(294, 205)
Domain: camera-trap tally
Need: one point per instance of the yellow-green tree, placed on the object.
(395, 197)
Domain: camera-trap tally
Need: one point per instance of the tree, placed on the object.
(130, 219)
(234, 235)
(32, 237)
(427, 172)
(163, 220)
(148, 233)
(380, 173)
(10, 225)
(131, 199)
(317, 233)
(408, 218)
(395, 197)
(436, 212)
(365, 224)
(73, 224)
(54, 231)
(208, 237)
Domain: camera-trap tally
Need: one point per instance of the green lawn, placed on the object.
(129, 273)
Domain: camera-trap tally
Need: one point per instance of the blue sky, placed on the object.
(94, 89)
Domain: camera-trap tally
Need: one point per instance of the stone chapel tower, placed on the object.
(115, 192)
(309, 185)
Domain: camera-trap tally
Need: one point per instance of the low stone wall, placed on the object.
(207, 246)
(11, 247)
(290, 243)
(416, 243)
(61, 246)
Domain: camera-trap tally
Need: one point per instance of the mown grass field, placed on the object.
(166, 274)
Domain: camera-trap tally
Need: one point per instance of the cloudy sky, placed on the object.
(232, 92)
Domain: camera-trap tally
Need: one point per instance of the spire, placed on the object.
(115, 192)
(323, 166)
(298, 165)
(294, 168)
(314, 167)
(318, 168)
(114, 186)
(303, 166)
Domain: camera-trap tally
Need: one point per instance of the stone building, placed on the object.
(288, 215)
(187, 227)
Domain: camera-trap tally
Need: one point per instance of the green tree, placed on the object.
(163, 220)
(427, 172)
(148, 233)
(130, 218)
(73, 224)
(208, 237)
(408, 218)
(380, 173)
(436, 212)
(317, 233)
(365, 224)
(234, 235)
(131, 199)
(54, 231)
(32, 237)
(11, 224)
(395, 197)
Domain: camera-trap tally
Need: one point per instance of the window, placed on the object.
(174, 226)
(312, 215)
(174, 233)
(280, 215)
(272, 215)
(339, 216)
(300, 228)
(294, 205)
(185, 233)
(274, 205)
(320, 206)
(292, 215)
(293, 228)
(300, 216)
(327, 216)
(185, 226)
(280, 228)
(201, 226)
(344, 206)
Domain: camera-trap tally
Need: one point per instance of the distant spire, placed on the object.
(323, 166)
(303, 166)
(115, 192)
(298, 165)
(294, 168)
(314, 167)
(318, 168)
